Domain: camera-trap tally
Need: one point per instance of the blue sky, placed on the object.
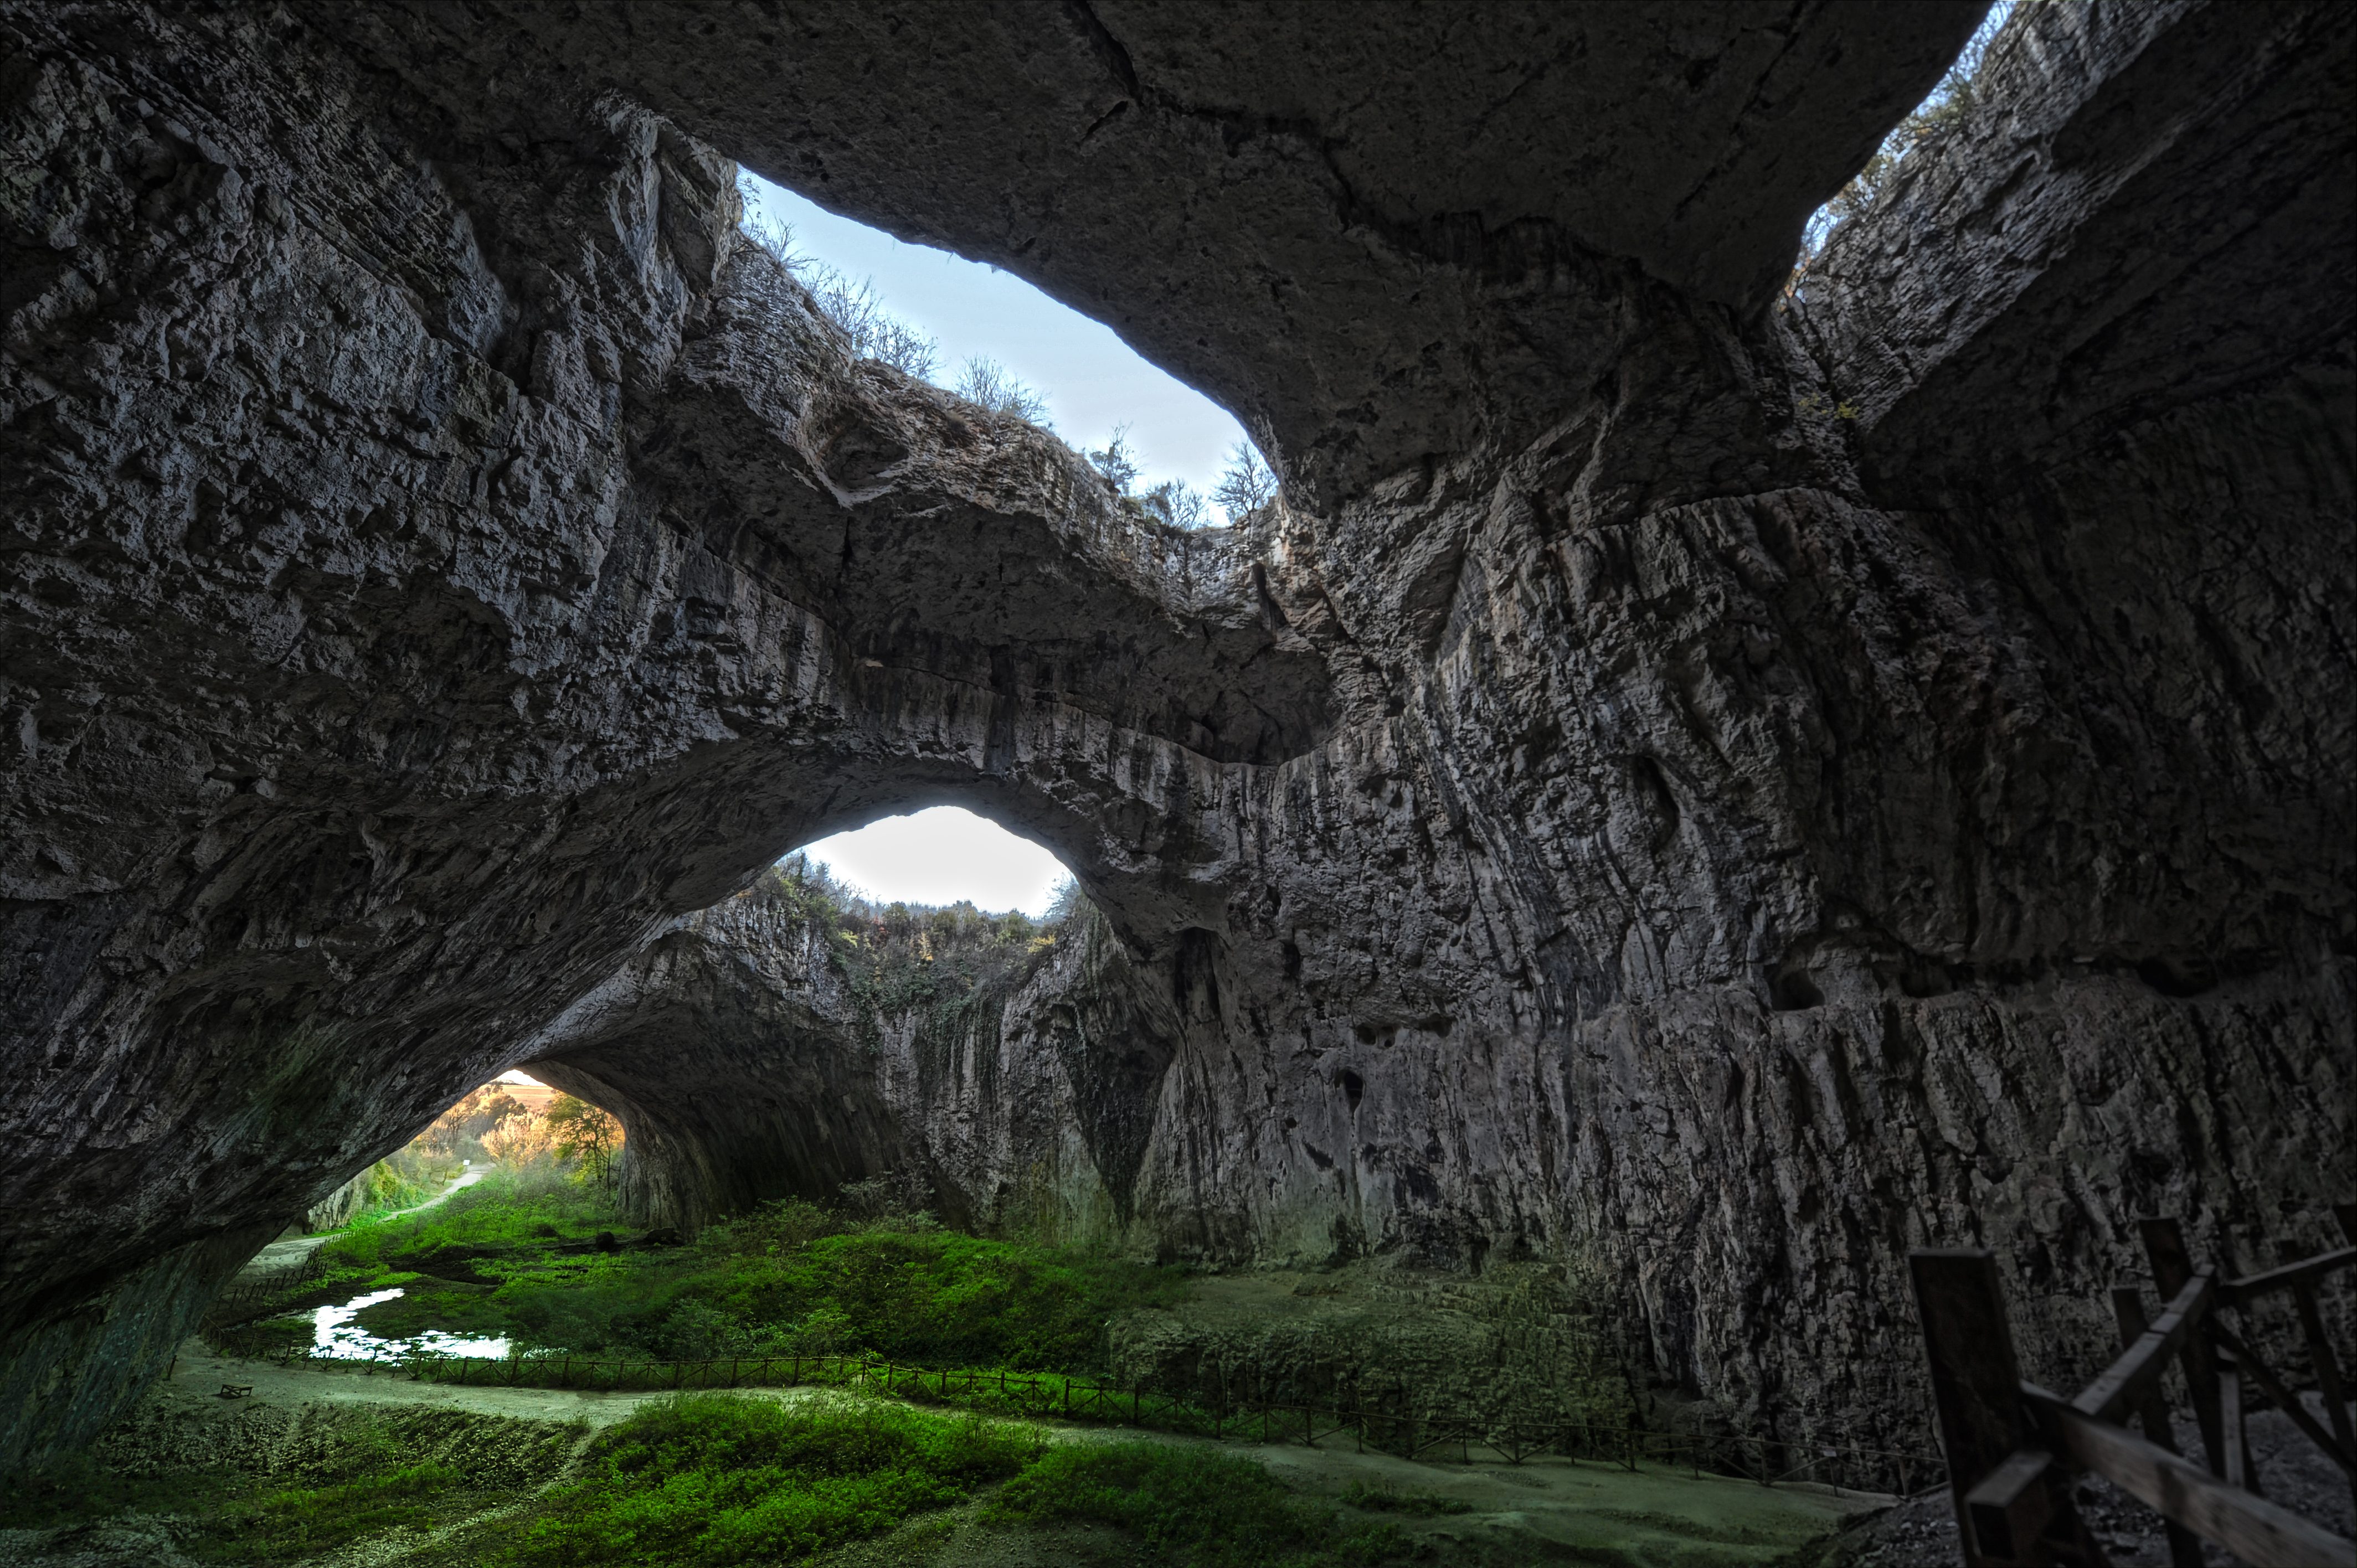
(1092, 380)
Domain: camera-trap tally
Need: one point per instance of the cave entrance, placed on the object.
(513, 1124)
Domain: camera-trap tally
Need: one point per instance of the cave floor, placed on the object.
(1542, 1510)
(1511, 1515)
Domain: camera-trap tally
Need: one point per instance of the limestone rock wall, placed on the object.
(1715, 792)
(759, 1051)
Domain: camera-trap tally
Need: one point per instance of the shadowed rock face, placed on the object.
(757, 1052)
(1725, 792)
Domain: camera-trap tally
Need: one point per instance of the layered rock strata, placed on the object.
(1719, 791)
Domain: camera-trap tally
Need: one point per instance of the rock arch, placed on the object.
(1703, 785)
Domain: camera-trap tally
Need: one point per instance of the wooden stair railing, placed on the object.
(2011, 1444)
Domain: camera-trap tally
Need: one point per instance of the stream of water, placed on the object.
(333, 1332)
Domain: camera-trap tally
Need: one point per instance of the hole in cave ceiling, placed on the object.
(939, 857)
(990, 335)
(1947, 103)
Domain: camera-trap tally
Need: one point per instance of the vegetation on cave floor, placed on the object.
(724, 1479)
(238, 1518)
(279, 1486)
(720, 1478)
(708, 1480)
(520, 1255)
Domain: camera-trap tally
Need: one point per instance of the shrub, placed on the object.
(1247, 486)
(1949, 102)
(992, 385)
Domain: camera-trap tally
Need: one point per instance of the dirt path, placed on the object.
(1651, 1515)
(288, 1251)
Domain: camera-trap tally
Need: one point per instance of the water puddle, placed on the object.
(335, 1335)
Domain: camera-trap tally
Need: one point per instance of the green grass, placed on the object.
(502, 1214)
(932, 1297)
(517, 1258)
(1194, 1506)
(716, 1479)
(711, 1480)
(298, 1521)
(1382, 1499)
(358, 1476)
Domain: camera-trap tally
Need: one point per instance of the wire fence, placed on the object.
(1053, 1396)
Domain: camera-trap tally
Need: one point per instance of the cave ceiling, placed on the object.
(1375, 233)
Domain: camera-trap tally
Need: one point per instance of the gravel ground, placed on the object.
(1922, 1531)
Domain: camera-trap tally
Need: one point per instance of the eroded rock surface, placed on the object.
(1718, 792)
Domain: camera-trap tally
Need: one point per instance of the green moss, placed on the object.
(454, 1309)
(298, 1521)
(500, 1214)
(1194, 1506)
(1382, 1499)
(301, 1084)
(516, 1259)
(944, 1299)
(720, 1479)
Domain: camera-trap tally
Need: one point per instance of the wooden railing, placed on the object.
(257, 1295)
(2010, 1444)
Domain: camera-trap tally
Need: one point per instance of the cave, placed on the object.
(1723, 774)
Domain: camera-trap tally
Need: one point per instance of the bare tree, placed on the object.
(1117, 460)
(986, 381)
(1175, 502)
(1247, 486)
(875, 332)
(852, 304)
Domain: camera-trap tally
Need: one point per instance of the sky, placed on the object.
(940, 856)
(1092, 380)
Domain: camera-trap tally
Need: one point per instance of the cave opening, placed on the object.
(938, 858)
(1946, 105)
(996, 340)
